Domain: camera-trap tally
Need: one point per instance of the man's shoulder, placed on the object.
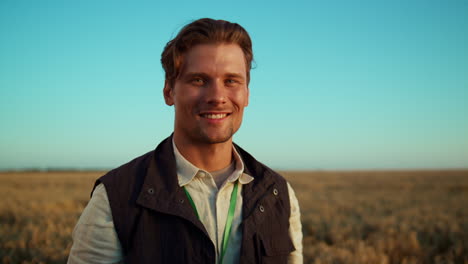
(125, 176)
(132, 174)
(137, 165)
(256, 168)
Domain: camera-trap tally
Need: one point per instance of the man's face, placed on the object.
(210, 93)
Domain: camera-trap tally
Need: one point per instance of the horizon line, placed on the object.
(74, 169)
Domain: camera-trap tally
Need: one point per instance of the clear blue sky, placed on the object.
(337, 84)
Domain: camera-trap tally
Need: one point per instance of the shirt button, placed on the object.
(261, 208)
(150, 190)
(181, 201)
(275, 191)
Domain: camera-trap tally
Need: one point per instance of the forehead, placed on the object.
(214, 59)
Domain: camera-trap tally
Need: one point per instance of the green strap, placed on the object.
(191, 202)
(230, 217)
(227, 228)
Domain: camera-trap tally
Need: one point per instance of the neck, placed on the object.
(208, 157)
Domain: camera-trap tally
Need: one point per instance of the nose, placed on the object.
(216, 93)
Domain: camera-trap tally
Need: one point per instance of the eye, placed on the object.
(230, 82)
(197, 81)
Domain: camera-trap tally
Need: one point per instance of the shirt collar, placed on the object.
(186, 171)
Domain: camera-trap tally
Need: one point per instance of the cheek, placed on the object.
(187, 105)
(186, 97)
(241, 99)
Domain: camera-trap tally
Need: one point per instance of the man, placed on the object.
(198, 197)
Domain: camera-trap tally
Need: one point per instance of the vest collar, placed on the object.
(161, 190)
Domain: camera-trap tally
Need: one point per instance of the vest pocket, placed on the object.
(274, 249)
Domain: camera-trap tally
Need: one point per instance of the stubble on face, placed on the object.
(203, 137)
(211, 134)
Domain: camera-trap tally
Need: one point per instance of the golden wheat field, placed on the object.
(380, 217)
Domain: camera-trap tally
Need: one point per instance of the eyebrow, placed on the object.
(204, 75)
(193, 74)
(235, 75)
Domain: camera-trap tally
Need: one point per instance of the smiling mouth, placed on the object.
(214, 116)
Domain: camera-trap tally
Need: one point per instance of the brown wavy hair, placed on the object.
(204, 31)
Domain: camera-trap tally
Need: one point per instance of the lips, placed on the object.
(214, 116)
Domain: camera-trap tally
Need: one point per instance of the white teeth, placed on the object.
(214, 116)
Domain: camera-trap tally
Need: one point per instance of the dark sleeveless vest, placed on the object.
(155, 222)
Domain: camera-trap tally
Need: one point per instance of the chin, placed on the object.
(218, 138)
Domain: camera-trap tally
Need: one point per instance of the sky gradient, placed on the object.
(336, 84)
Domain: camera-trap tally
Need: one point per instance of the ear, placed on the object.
(168, 93)
(248, 95)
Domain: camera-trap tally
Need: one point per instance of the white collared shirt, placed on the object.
(95, 239)
(213, 204)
